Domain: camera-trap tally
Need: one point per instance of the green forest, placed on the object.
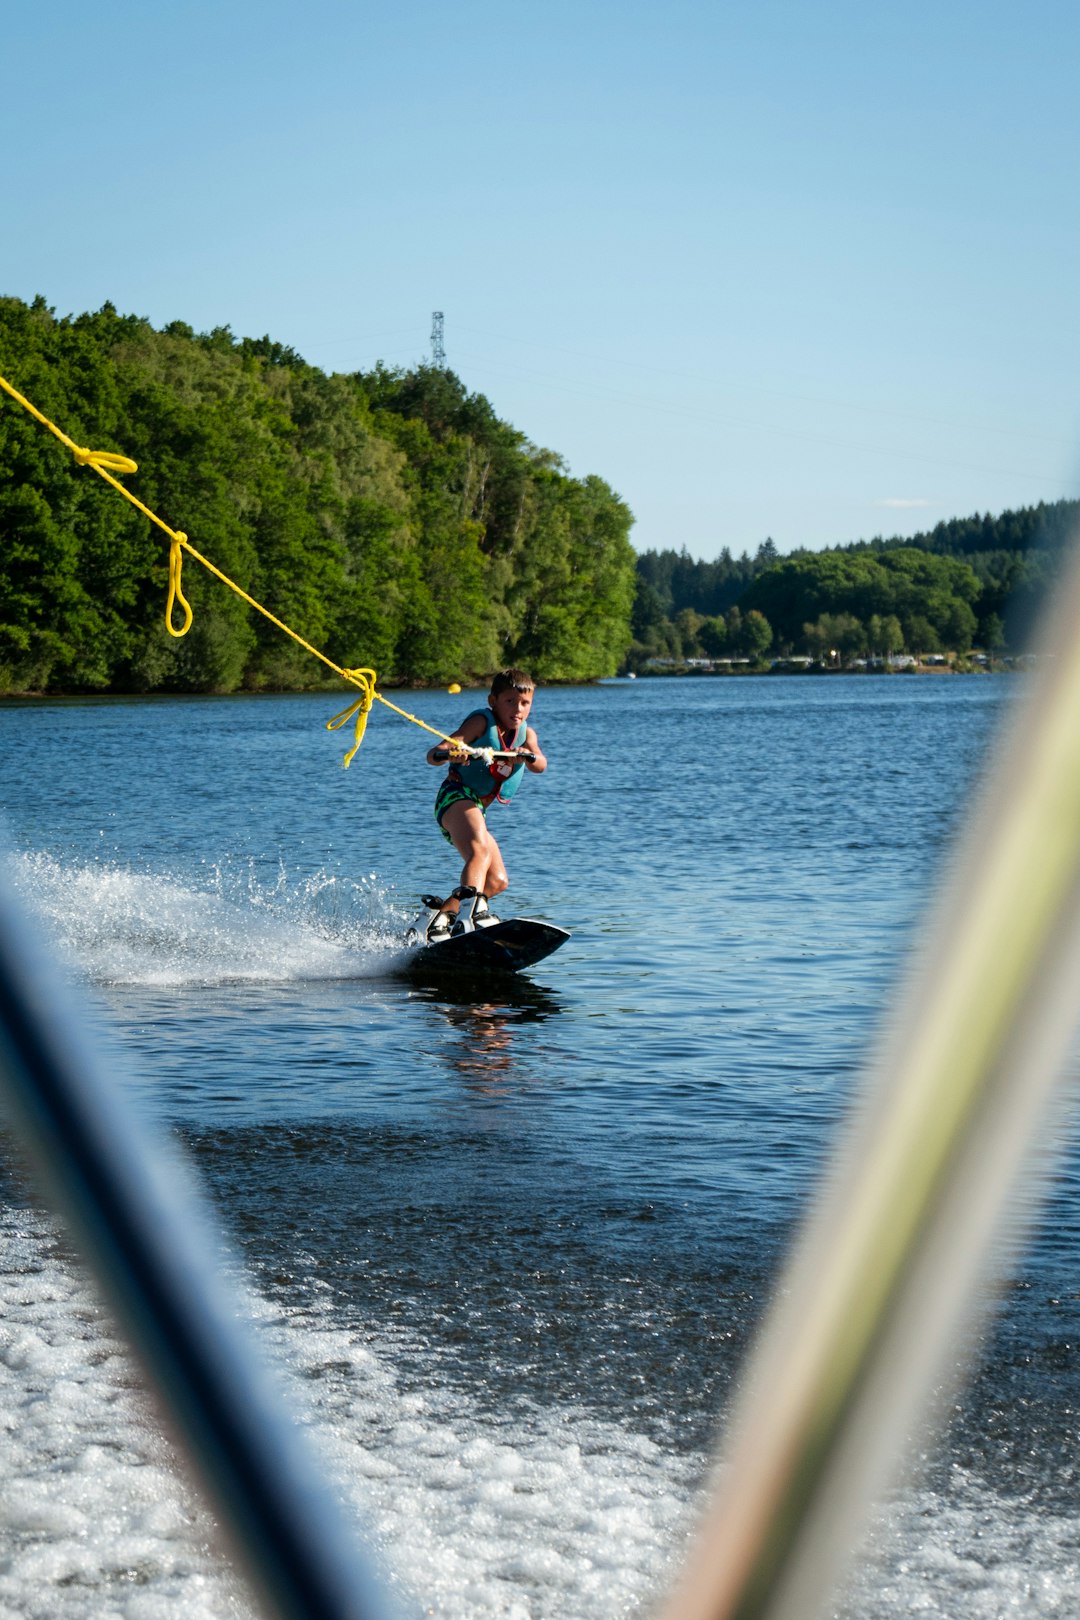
(390, 518)
(970, 582)
(394, 521)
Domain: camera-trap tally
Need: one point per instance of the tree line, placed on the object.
(395, 521)
(977, 581)
(390, 517)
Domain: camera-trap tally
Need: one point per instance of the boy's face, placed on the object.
(511, 707)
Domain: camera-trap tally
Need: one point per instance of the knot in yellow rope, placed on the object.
(104, 458)
(365, 680)
(176, 569)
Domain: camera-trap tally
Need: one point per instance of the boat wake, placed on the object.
(116, 926)
(549, 1513)
(526, 1514)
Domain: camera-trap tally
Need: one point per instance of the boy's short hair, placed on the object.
(512, 680)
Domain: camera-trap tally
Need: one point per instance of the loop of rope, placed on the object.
(104, 458)
(176, 569)
(107, 462)
(365, 679)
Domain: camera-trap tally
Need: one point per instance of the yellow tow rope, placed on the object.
(105, 463)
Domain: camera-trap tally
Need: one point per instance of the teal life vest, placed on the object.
(500, 780)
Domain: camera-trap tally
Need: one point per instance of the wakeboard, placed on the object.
(500, 947)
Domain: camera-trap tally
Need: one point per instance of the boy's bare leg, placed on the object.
(484, 870)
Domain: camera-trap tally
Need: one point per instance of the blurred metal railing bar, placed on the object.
(881, 1292)
(142, 1229)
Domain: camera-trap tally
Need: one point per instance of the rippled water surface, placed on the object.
(509, 1243)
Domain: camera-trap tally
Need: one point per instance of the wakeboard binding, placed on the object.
(436, 923)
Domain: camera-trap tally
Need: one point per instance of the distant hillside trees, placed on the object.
(390, 517)
(930, 599)
(972, 581)
(673, 580)
(1016, 556)
(684, 608)
(1048, 527)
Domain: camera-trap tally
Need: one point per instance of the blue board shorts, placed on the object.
(452, 792)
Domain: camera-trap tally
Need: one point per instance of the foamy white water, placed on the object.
(118, 926)
(555, 1513)
(94, 1518)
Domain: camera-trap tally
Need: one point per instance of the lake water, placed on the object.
(510, 1250)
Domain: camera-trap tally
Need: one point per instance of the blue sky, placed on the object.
(806, 271)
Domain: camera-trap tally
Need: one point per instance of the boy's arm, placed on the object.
(468, 732)
(538, 762)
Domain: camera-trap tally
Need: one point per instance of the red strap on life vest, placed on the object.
(501, 769)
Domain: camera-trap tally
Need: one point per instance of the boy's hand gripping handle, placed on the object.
(484, 753)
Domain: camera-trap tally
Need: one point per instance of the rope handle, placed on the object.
(488, 755)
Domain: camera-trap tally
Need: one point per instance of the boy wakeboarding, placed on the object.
(474, 783)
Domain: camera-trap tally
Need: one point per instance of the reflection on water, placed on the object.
(489, 1045)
